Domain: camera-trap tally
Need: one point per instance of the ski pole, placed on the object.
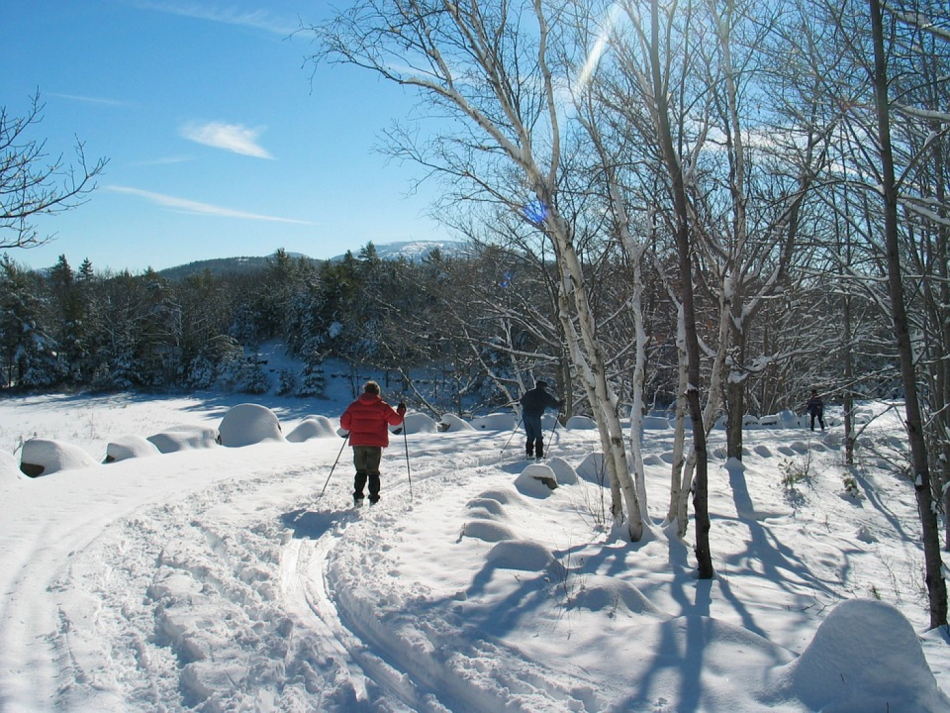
(405, 439)
(513, 434)
(553, 429)
(345, 440)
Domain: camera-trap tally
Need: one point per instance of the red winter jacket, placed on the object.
(367, 419)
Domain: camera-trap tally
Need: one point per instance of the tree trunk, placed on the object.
(684, 250)
(936, 586)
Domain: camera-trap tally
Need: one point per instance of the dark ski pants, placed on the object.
(366, 459)
(821, 421)
(534, 445)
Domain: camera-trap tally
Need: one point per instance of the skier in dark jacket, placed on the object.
(816, 409)
(368, 419)
(533, 403)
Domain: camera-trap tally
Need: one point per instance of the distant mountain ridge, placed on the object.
(411, 250)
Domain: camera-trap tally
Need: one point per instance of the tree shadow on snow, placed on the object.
(312, 525)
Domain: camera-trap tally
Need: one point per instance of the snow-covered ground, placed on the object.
(217, 578)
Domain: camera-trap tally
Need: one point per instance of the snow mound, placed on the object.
(312, 427)
(43, 457)
(487, 531)
(9, 470)
(564, 472)
(495, 422)
(593, 469)
(486, 507)
(536, 480)
(126, 447)
(452, 423)
(613, 595)
(247, 424)
(787, 419)
(580, 423)
(865, 656)
(655, 423)
(523, 555)
(185, 438)
(419, 423)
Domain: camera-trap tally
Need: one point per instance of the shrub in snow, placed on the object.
(452, 423)
(418, 423)
(865, 657)
(313, 382)
(286, 382)
(312, 427)
(43, 457)
(185, 438)
(495, 422)
(247, 424)
(537, 480)
(130, 447)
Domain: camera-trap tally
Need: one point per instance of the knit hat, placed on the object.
(541, 384)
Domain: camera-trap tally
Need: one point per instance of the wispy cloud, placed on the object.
(164, 161)
(230, 137)
(190, 206)
(88, 100)
(257, 19)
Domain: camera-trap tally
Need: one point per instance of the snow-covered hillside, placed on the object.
(215, 578)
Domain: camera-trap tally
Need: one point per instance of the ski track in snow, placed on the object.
(296, 634)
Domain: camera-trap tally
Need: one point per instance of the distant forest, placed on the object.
(482, 325)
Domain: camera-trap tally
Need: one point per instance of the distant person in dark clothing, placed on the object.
(368, 419)
(533, 404)
(816, 409)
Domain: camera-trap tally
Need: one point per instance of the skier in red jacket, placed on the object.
(368, 419)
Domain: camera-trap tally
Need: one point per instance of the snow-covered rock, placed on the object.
(581, 423)
(247, 424)
(495, 422)
(126, 447)
(537, 480)
(312, 427)
(452, 423)
(564, 472)
(185, 438)
(419, 423)
(655, 423)
(43, 457)
(787, 419)
(865, 657)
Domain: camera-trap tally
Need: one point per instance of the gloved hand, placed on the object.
(401, 408)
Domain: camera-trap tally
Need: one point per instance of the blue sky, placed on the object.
(218, 143)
